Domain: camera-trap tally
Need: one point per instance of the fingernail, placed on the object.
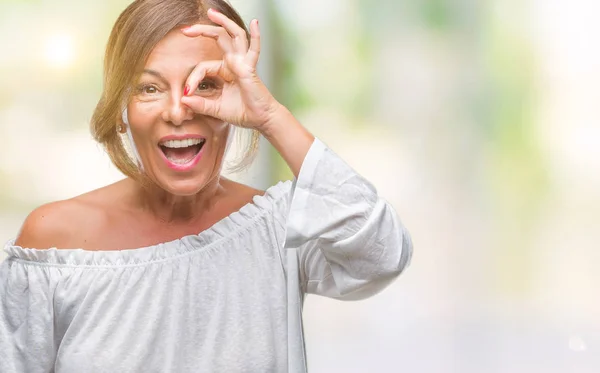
(186, 90)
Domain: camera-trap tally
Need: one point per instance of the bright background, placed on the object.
(477, 119)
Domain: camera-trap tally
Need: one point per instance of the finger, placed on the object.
(254, 51)
(210, 68)
(201, 105)
(238, 35)
(214, 32)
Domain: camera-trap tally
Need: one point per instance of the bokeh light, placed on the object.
(60, 50)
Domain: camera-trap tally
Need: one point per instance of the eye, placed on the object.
(147, 89)
(206, 85)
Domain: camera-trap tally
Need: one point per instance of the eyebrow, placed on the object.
(159, 75)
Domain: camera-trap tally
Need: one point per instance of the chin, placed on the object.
(184, 186)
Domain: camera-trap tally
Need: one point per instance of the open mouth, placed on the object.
(181, 152)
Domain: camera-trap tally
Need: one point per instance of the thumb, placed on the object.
(201, 105)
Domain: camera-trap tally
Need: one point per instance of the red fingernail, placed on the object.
(186, 90)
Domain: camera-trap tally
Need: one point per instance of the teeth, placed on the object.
(173, 144)
(179, 161)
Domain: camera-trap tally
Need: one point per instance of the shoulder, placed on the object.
(48, 225)
(242, 192)
(275, 202)
(61, 224)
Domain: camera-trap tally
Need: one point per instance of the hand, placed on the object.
(244, 100)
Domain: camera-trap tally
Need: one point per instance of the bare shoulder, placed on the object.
(62, 224)
(241, 193)
(50, 225)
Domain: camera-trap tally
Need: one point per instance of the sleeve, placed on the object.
(350, 242)
(26, 319)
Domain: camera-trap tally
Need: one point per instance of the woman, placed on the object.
(120, 280)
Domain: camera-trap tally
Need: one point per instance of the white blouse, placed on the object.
(226, 300)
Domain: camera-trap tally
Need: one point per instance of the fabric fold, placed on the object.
(350, 241)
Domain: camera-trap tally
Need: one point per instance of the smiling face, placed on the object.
(181, 151)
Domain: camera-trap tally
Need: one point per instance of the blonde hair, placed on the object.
(135, 34)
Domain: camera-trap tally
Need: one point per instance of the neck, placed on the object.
(169, 208)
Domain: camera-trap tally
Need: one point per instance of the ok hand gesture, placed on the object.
(244, 100)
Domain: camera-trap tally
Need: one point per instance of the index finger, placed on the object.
(238, 35)
(214, 32)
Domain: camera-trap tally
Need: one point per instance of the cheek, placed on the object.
(144, 111)
(220, 132)
(141, 117)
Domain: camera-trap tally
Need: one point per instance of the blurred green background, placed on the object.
(477, 120)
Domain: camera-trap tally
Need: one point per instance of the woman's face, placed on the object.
(181, 151)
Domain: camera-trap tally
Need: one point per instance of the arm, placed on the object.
(26, 305)
(289, 137)
(26, 319)
(349, 240)
(351, 243)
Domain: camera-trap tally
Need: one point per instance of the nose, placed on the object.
(176, 112)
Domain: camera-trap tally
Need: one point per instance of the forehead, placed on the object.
(177, 52)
